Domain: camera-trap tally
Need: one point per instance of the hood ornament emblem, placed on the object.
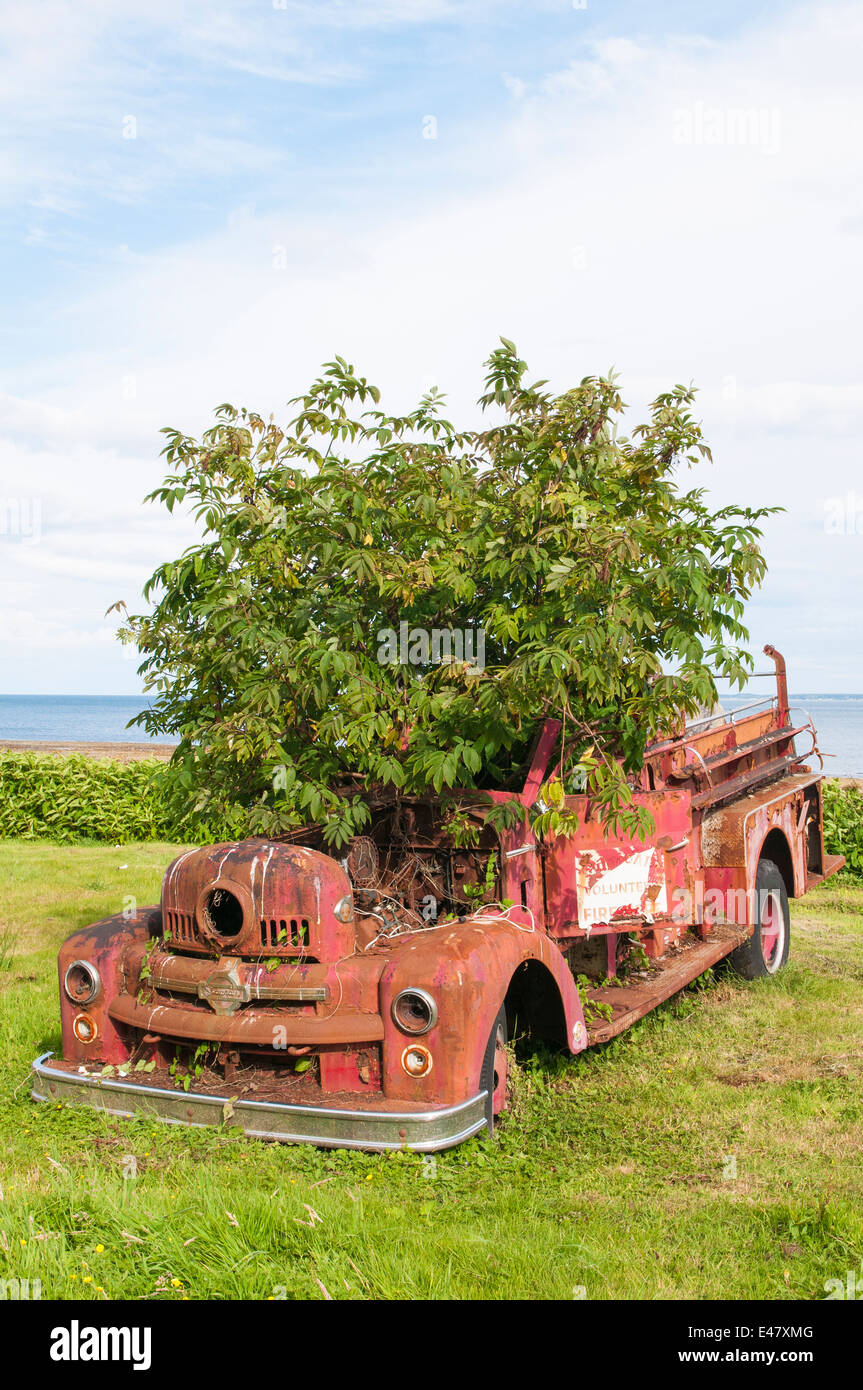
(224, 991)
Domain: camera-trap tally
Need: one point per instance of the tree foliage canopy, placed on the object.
(606, 595)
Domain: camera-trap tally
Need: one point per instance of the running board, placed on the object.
(832, 863)
(632, 1002)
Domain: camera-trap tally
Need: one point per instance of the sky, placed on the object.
(202, 203)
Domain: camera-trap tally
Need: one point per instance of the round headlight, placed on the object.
(414, 1011)
(81, 982)
(344, 908)
(416, 1060)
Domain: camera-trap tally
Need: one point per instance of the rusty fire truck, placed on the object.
(308, 997)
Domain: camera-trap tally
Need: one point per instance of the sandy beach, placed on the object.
(117, 752)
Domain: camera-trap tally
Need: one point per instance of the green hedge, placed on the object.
(843, 824)
(67, 799)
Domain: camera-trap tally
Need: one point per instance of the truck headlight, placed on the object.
(344, 909)
(81, 982)
(414, 1011)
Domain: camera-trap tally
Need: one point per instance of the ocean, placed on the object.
(73, 718)
(103, 719)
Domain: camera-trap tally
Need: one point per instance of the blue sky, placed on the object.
(201, 203)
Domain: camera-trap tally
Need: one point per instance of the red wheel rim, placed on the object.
(500, 1068)
(772, 931)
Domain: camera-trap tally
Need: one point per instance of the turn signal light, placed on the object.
(85, 1029)
(416, 1060)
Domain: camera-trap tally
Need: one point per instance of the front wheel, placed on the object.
(493, 1078)
(766, 951)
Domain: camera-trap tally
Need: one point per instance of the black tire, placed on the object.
(766, 951)
(491, 1080)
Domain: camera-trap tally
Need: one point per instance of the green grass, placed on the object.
(709, 1153)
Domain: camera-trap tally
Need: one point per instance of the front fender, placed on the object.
(466, 967)
(103, 945)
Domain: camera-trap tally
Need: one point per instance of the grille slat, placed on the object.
(182, 926)
(290, 932)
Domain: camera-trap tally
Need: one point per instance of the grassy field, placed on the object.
(712, 1152)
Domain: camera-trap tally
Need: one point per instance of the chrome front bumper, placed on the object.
(423, 1131)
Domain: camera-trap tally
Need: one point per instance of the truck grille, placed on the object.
(286, 932)
(183, 927)
(277, 933)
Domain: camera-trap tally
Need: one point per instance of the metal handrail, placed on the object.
(814, 732)
(805, 711)
(706, 769)
(729, 716)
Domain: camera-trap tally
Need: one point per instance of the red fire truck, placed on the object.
(365, 1000)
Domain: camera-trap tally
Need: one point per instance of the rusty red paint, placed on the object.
(278, 956)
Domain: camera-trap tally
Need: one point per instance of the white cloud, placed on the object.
(34, 631)
(620, 52)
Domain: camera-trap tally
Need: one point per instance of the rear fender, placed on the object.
(770, 823)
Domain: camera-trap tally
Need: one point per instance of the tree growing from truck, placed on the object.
(606, 595)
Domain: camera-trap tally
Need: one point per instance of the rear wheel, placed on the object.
(766, 951)
(493, 1078)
